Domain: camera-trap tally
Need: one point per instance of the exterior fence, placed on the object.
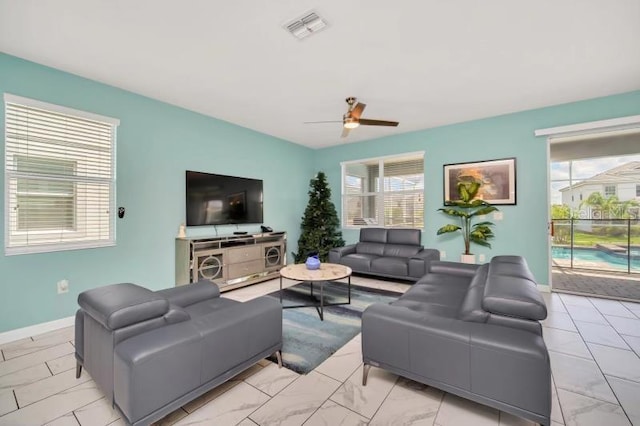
(599, 244)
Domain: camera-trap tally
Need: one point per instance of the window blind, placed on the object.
(60, 177)
(385, 191)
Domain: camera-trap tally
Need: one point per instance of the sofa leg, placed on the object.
(78, 369)
(279, 358)
(365, 373)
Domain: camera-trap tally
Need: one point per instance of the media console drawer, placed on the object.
(230, 261)
(237, 270)
(242, 254)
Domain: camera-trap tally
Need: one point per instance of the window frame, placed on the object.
(604, 190)
(379, 194)
(10, 175)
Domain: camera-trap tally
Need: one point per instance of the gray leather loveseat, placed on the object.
(151, 352)
(392, 253)
(470, 330)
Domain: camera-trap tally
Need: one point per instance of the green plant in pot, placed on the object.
(465, 210)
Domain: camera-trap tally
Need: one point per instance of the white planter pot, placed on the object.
(468, 258)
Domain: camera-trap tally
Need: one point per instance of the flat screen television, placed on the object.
(221, 200)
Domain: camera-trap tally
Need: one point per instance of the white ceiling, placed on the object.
(424, 63)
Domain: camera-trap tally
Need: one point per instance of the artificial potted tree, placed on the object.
(465, 210)
(320, 224)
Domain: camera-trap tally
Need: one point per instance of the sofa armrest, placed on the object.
(189, 294)
(335, 254)
(119, 305)
(143, 366)
(452, 268)
(419, 263)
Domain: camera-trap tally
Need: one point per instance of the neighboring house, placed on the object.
(622, 181)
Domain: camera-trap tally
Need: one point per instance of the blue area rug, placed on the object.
(307, 341)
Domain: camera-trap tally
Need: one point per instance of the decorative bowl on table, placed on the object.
(312, 263)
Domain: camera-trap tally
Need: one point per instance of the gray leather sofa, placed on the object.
(469, 330)
(151, 352)
(392, 253)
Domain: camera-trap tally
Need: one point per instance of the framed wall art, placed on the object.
(498, 179)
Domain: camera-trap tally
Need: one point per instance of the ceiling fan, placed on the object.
(351, 119)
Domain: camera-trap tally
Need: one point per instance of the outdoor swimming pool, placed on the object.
(586, 257)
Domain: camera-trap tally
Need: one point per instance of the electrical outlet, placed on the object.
(63, 286)
(482, 258)
(498, 216)
(443, 254)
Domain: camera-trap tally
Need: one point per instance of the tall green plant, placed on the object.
(465, 209)
(320, 224)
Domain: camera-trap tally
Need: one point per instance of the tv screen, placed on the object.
(221, 200)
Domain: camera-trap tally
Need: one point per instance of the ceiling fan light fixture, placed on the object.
(351, 123)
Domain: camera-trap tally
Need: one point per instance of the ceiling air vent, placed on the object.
(306, 25)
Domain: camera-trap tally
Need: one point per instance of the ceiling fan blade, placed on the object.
(367, 122)
(345, 132)
(356, 112)
(321, 122)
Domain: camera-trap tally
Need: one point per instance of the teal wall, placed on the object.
(157, 142)
(523, 230)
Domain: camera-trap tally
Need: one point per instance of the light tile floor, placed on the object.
(594, 346)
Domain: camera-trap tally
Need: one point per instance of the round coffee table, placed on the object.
(327, 272)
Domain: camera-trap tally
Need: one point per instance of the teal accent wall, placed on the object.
(156, 143)
(523, 231)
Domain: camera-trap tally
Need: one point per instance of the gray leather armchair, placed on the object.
(392, 253)
(151, 352)
(470, 330)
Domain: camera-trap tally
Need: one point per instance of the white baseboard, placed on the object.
(32, 330)
(544, 288)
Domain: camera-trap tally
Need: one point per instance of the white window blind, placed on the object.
(59, 177)
(397, 202)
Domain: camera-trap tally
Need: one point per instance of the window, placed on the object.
(385, 191)
(59, 177)
(609, 190)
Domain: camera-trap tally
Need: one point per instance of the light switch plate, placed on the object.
(497, 216)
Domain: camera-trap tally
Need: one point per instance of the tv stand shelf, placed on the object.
(230, 261)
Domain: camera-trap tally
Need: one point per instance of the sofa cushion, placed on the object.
(401, 250)
(373, 235)
(391, 266)
(207, 306)
(370, 248)
(359, 261)
(119, 305)
(514, 297)
(404, 236)
(434, 299)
